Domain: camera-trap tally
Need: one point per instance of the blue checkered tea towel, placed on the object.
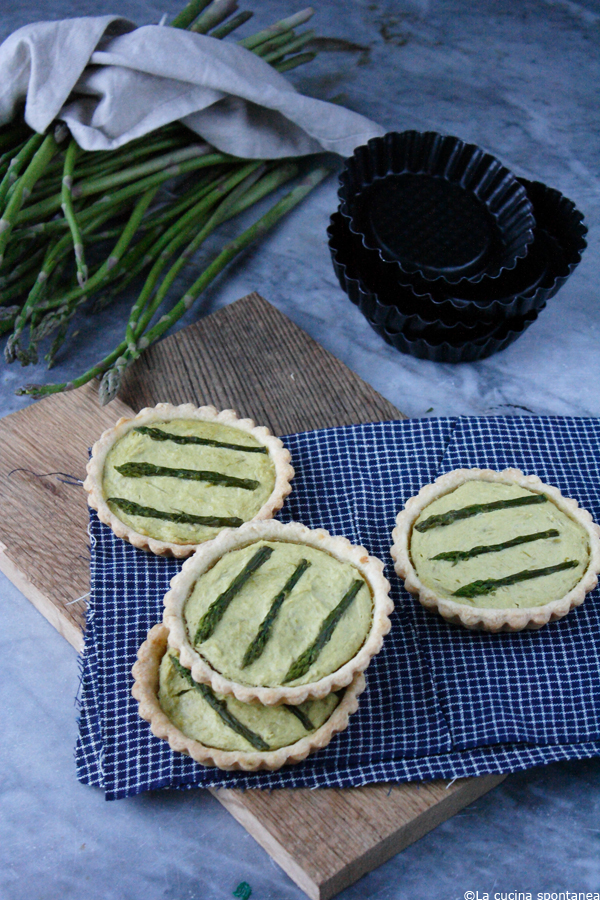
(441, 702)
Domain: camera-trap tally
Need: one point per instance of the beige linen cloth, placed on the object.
(111, 82)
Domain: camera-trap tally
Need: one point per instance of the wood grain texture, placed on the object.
(326, 839)
(250, 357)
(43, 522)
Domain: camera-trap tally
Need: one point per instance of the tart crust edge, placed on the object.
(370, 568)
(145, 690)
(166, 411)
(480, 618)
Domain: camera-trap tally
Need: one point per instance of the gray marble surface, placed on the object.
(520, 79)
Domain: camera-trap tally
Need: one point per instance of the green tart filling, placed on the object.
(183, 480)
(496, 545)
(277, 612)
(225, 723)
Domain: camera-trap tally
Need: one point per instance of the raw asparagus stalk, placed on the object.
(232, 25)
(280, 27)
(23, 188)
(69, 211)
(187, 15)
(113, 182)
(213, 15)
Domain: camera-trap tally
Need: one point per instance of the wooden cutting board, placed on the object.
(248, 356)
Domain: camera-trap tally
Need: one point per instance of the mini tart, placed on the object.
(275, 613)
(193, 718)
(526, 561)
(190, 466)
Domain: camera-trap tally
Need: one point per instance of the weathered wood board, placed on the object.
(43, 521)
(250, 357)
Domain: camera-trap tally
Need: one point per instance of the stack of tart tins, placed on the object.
(448, 255)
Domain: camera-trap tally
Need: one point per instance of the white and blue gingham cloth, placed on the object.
(441, 702)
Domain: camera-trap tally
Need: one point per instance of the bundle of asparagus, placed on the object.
(59, 201)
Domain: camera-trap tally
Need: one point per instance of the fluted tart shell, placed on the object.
(146, 674)
(301, 621)
(470, 610)
(266, 448)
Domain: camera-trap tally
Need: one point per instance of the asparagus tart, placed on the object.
(496, 551)
(218, 730)
(278, 613)
(173, 477)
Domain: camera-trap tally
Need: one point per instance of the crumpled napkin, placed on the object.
(111, 82)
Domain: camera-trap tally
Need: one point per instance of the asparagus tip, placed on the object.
(33, 390)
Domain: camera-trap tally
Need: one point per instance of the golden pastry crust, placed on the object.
(481, 618)
(340, 548)
(145, 690)
(163, 412)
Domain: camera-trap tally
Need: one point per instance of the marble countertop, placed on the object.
(521, 80)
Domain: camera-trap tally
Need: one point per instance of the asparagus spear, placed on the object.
(145, 469)
(38, 179)
(306, 659)
(23, 188)
(488, 585)
(461, 555)
(218, 608)
(214, 14)
(258, 644)
(232, 25)
(476, 509)
(220, 707)
(158, 435)
(180, 518)
(69, 211)
(116, 361)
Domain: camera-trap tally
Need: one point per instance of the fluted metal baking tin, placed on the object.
(560, 228)
(559, 216)
(470, 350)
(374, 307)
(451, 161)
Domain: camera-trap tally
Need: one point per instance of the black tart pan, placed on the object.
(441, 211)
(456, 329)
(425, 340)
(471, 351)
